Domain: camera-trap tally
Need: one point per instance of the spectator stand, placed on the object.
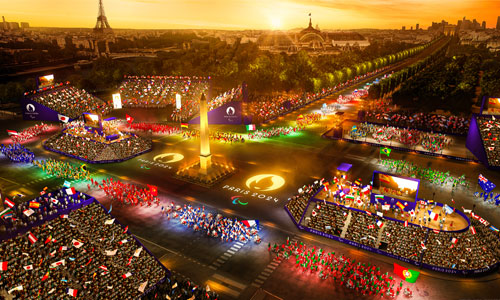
(396, 222)
(333, 137)
(96, 151)
(65, 207)
(483, 140)
(60, 100)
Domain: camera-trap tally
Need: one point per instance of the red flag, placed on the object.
(129, 119)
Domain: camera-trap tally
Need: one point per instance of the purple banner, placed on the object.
(229, 113)
(35, 111)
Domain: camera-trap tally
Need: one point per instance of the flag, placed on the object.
(54, 200)
(494, 228)
(58, 263)
(405, 273)
(63, 248)
(110, 208)
(251, 127)
(28, 267)
(433, 215)
(454, 241)
(109, 222)
(184, 125)
(386, 206)
(66, 184)
(384, 178)
(12, 132)
(128, 274)
(300, 117)
(380, 214)
(153, 189)
(9, 203)
(326, 185)
(72, 292)
(62, 118)
(129, 119)
(125, 230)
(5, 212)
(448, 209)
(406, 224)
(104, 268)
(3, 265)
(77, 244)
(350, 197)
(472, 229)
(380, 224)
(423, 245)
(485, 184)
(34, 204)
(142, 287)
(70, 191)
(17, 288)
(371, 226)
(436, 231)
(49, 239)
(401, 206)
(111, 253)
(45, 276)
(32, 238)
(379, 197)
(64, 216)
(386, 151)
(138, 252)
(250, 223)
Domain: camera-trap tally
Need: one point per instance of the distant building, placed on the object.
(449, 30)
(311, 39)
(417, 27)
(498, 23)
(13, 25)
(25, 25)
(403, 28)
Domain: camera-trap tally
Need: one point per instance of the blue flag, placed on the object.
(67, 184)
(485, 184)
(110, 208)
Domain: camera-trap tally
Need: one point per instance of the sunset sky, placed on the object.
(249, 14)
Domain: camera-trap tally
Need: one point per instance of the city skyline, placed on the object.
(245, 14)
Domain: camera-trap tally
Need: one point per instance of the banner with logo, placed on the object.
(229, 113)
(35, 111)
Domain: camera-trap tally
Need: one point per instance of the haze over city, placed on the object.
(249, 14)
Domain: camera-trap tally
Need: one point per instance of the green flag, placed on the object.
(385, 150)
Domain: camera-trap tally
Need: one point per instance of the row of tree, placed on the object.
(389, 84)
(229, 65)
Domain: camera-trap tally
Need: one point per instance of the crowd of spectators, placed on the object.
(363, 229)
(83, 254)
(328, 218)
(17, 153)
(424, 121)
(71, 102)
(489, 128)
(63, 169)
(298, 202)
(162, 91)
(454, 250)
(29, 133)
(91, 150)
(403, 241)
(463, 250)
(154, 128)
(182, 289)
(432, 142)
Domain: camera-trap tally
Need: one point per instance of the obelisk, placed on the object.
(205, 155)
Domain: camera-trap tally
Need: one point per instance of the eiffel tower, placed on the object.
(102, 26)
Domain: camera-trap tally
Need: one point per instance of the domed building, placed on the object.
(312, 40)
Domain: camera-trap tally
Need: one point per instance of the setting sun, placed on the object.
(275, 22)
